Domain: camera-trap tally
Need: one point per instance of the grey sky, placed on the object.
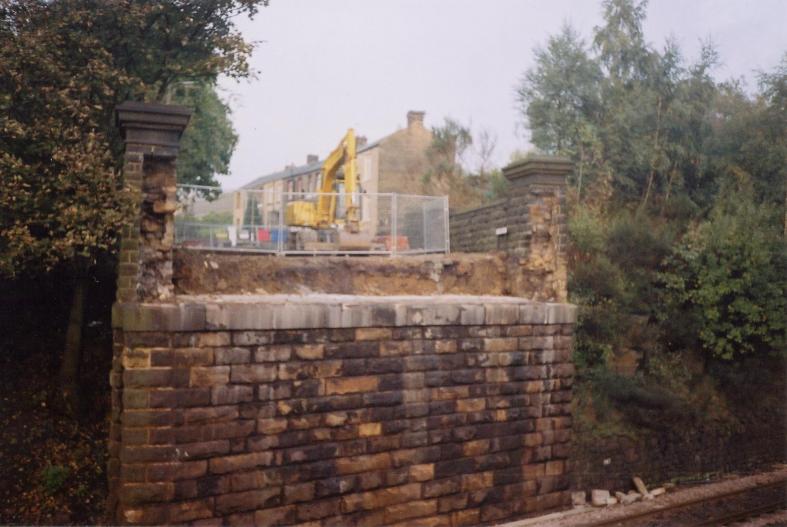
(326, 65)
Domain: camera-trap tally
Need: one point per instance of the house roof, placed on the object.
(298, 170)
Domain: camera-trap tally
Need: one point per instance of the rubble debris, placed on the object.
(579, 498)
(599, 497)
(658, 491)
(632, 497)
(640, 485)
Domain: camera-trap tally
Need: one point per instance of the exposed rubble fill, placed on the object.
(201, 272)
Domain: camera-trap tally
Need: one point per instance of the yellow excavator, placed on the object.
(317, 220)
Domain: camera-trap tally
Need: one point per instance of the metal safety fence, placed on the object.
(265, 221)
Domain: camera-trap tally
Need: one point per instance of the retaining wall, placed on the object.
(450, 410)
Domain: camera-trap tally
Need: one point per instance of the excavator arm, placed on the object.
(322, 215)
(342, 155)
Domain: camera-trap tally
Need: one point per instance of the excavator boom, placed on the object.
(323, 215)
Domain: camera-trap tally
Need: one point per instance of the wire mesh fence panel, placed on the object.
(310, 222)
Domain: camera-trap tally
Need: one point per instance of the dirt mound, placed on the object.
(199, 272)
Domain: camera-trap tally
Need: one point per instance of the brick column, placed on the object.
(152, 135)
(536, 198)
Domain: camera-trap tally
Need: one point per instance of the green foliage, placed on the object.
(209, 140)
(54, 477)
(729, 273)
(659, 237)
(64, 67)
(449, 143)
(498, 186)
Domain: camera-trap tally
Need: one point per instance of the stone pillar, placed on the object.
(537, 186)
(152, 135)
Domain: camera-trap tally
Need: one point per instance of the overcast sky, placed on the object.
(325, 66)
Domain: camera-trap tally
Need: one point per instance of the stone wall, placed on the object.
(341, 410)
(529, 226)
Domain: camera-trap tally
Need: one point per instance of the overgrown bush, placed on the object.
(726, 280)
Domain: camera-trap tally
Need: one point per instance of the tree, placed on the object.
(64, 66)
(208, 142)
(449, 143)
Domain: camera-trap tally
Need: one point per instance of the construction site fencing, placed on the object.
(257, 221)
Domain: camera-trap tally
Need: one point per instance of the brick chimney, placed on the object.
(360, 141)
(312, 158)
(415, 119)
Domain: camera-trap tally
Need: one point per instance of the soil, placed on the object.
(200, 272)
(52, 467)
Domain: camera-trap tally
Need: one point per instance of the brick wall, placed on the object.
(389, 411)
(533, 227)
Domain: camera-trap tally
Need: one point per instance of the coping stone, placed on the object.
(272, 312)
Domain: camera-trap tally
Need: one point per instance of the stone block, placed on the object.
(221, 395)
(233, 356)
(341, 386)
(254, 373)
(226, 464)
(209, 376)
(362, 334)
(247, 501)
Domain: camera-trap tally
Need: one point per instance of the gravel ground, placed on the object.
(589, 516)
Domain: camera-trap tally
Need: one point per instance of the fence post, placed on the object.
(280, 238)
(394, 227)
(447, 225)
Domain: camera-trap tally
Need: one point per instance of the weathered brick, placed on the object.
(318, 509)
(183, 398)
(442, 487)
(356, 464)
(251, 338)
(231, 394)
(369, 429)
(181, 357)
(249, 500)
(137, 494)
(411, 509)
(176, 471)
(209, 376)
(299, 493)
(156, 377)
(233, 356)
(310, 351)
(186, 511)
(373, 334)
(274, 516)
(253, 373)
(273, 353)
(271, 426)
(340, 386)
(209, 414)
(136, 358)
(376, 499)
(223, 465)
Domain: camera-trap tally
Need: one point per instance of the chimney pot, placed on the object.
(312, 158)
(415, 118)
(360, 141)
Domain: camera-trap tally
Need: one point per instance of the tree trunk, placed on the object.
(652, 174)
(72, 353)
